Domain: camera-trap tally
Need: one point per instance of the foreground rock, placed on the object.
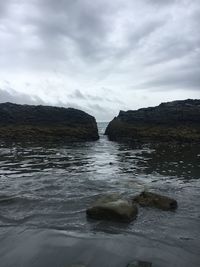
(114, 208)
(172, 121)
(25, 122)
(148, 199)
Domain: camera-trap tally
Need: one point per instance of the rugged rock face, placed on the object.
(148, 199)
(112, 207)
(172, 121)
(26, 122)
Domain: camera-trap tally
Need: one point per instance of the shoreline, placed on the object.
(27, 247)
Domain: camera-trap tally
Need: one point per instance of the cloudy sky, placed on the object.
(101, 56)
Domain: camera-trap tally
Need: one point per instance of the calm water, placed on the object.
(51, 186)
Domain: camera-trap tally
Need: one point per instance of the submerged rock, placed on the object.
(112, 207)
(42, 123)
(171, 121)
(148, 199)
(140, 264)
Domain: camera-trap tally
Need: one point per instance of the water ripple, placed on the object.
(51, 185)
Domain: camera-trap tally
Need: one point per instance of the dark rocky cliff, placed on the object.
(171, 121)
(46, 123)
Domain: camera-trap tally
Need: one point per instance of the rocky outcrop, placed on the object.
(172, 121)
(114, 208)
(148, 199)
(27, 122)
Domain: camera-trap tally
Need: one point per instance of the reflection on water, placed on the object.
(51, 185)
(179, 161)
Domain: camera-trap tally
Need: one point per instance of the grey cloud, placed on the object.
(146, 29)
(196, 18)
(140, 34)
(173, 48)
(71, 105)
(13, 96)
(80, 22)
(10, 95)
(102, 99)
(180, 36)
(96, 98)
(77, 94)
(97, 107)
(95, 44)
(4, 7)
(65, 31)
(189, 80)
(93, 109)
(161, 2)
(85, 28)
(101, 112)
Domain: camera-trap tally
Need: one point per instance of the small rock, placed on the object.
(148, 199)
(140, 264)
(112, 207)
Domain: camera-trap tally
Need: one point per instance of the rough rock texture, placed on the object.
(114, 208)
(172, 121)
(148, 199)
(26, 122)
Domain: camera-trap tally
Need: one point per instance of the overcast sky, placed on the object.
(101, 56)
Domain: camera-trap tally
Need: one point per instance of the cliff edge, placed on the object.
(27, 122)
(171, 121)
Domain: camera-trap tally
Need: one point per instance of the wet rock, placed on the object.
(148, 199)
(140, 264)
(177, 121)
(45, 123)
(112, 207)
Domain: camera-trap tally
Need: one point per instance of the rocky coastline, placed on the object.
(45, 123)
(177, 121)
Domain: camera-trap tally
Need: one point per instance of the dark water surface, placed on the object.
(50, 186)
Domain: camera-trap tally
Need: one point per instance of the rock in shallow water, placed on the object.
(172, 121)
(148, 199)
(45, 123)
(114, 208)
